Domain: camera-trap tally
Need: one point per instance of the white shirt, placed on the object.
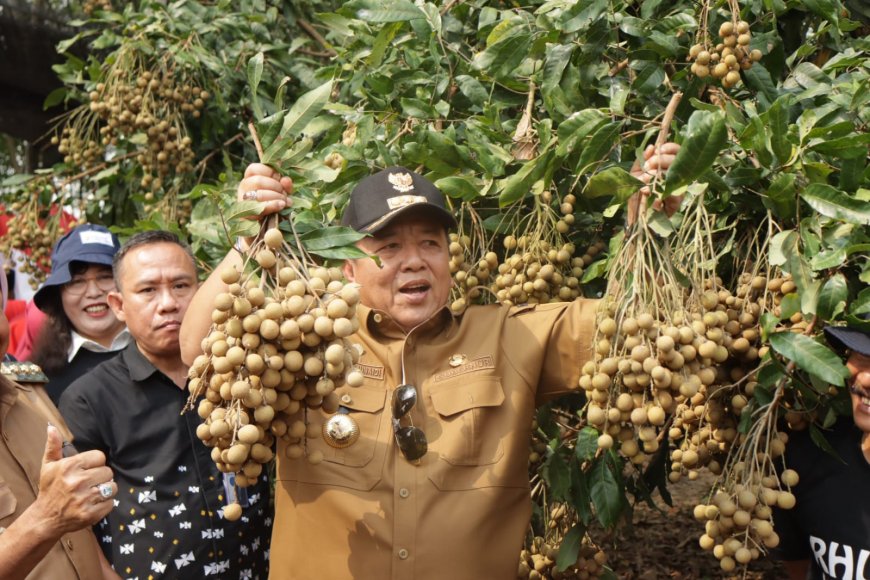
(121, 340)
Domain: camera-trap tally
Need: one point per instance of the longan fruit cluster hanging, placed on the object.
(278, 346)
(470, 275)
(537, 272)
(738, 520)
(152, 103)
(32, 230)
(89, 6)
(538, 561)
(725, 60)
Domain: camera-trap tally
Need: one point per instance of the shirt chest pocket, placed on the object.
(359, 465)
(471, 418)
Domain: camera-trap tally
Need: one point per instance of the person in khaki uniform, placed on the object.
(48, 503)
(437, 485)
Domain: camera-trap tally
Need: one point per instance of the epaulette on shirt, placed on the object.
(23, 372)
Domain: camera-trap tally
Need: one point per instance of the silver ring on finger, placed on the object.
(105, 489)
(251, 195)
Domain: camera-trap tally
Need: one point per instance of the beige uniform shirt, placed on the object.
(366, 512)
(23, 419)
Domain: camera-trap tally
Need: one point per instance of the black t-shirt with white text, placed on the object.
(830, 523)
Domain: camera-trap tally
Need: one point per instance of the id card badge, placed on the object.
(234, 494)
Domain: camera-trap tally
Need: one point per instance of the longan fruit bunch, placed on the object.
(645, 370)
(470, 275)
(136, 101)
(537, 272)
(738, 521)
(32, 230)
(89, 6)
(278, 346)
(538, 560)
(726, 59)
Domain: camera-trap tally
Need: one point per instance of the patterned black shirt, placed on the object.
(167, 521)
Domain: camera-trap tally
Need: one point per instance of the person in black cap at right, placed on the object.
(827, 533)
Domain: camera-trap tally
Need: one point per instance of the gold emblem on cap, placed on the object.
(402, 182)
(457, 360)
(403, 200)
(340, 431)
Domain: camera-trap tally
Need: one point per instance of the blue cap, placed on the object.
(850, 337)
(88, 243)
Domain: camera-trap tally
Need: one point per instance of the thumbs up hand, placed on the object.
(74, 492)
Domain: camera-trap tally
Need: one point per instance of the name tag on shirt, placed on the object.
(234, 494)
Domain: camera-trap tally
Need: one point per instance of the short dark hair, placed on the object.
(147, 239)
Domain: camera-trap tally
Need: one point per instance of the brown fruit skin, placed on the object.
(232, 512)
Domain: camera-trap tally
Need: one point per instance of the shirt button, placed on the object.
(378, 318)
(403, 554)
(403, 493)
(69, 544)
(346, 399)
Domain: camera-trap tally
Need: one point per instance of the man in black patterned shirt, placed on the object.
(168, 519)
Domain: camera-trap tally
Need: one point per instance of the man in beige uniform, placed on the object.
(437, 485)
(48, 503)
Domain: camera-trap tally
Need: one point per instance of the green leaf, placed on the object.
(587, 444)
(833, 203)
(706, 136)
(613, 181)
(810, 356)
(502, 58)
(790, 305)
(659, 223)
(781, 246)
(418, 108)
(557, 58)
(16, 179)
(649, 76)
(237, 210)
(382, 43)
(460, 187)
(781, 196)
(472, 89)
(759, 79)
(848, 147)
(777, 126)
(576, 127)
(54, 98)
(519, 184)
(599, 145)
(255, 74)
(306, 108)
(394, 11)
(827, 9)
(606, 490)
(833, 296)
(340, 253)
(330, 237)
(595, 270)
(557, 476)
(569, 549)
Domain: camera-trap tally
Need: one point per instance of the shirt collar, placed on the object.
(121, 340)
(140, 367)
(379, 323)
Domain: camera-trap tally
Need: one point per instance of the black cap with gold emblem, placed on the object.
(380, 198)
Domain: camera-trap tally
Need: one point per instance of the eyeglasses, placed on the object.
(411, 440)
(79, 285)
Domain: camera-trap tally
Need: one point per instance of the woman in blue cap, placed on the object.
(81, 330)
